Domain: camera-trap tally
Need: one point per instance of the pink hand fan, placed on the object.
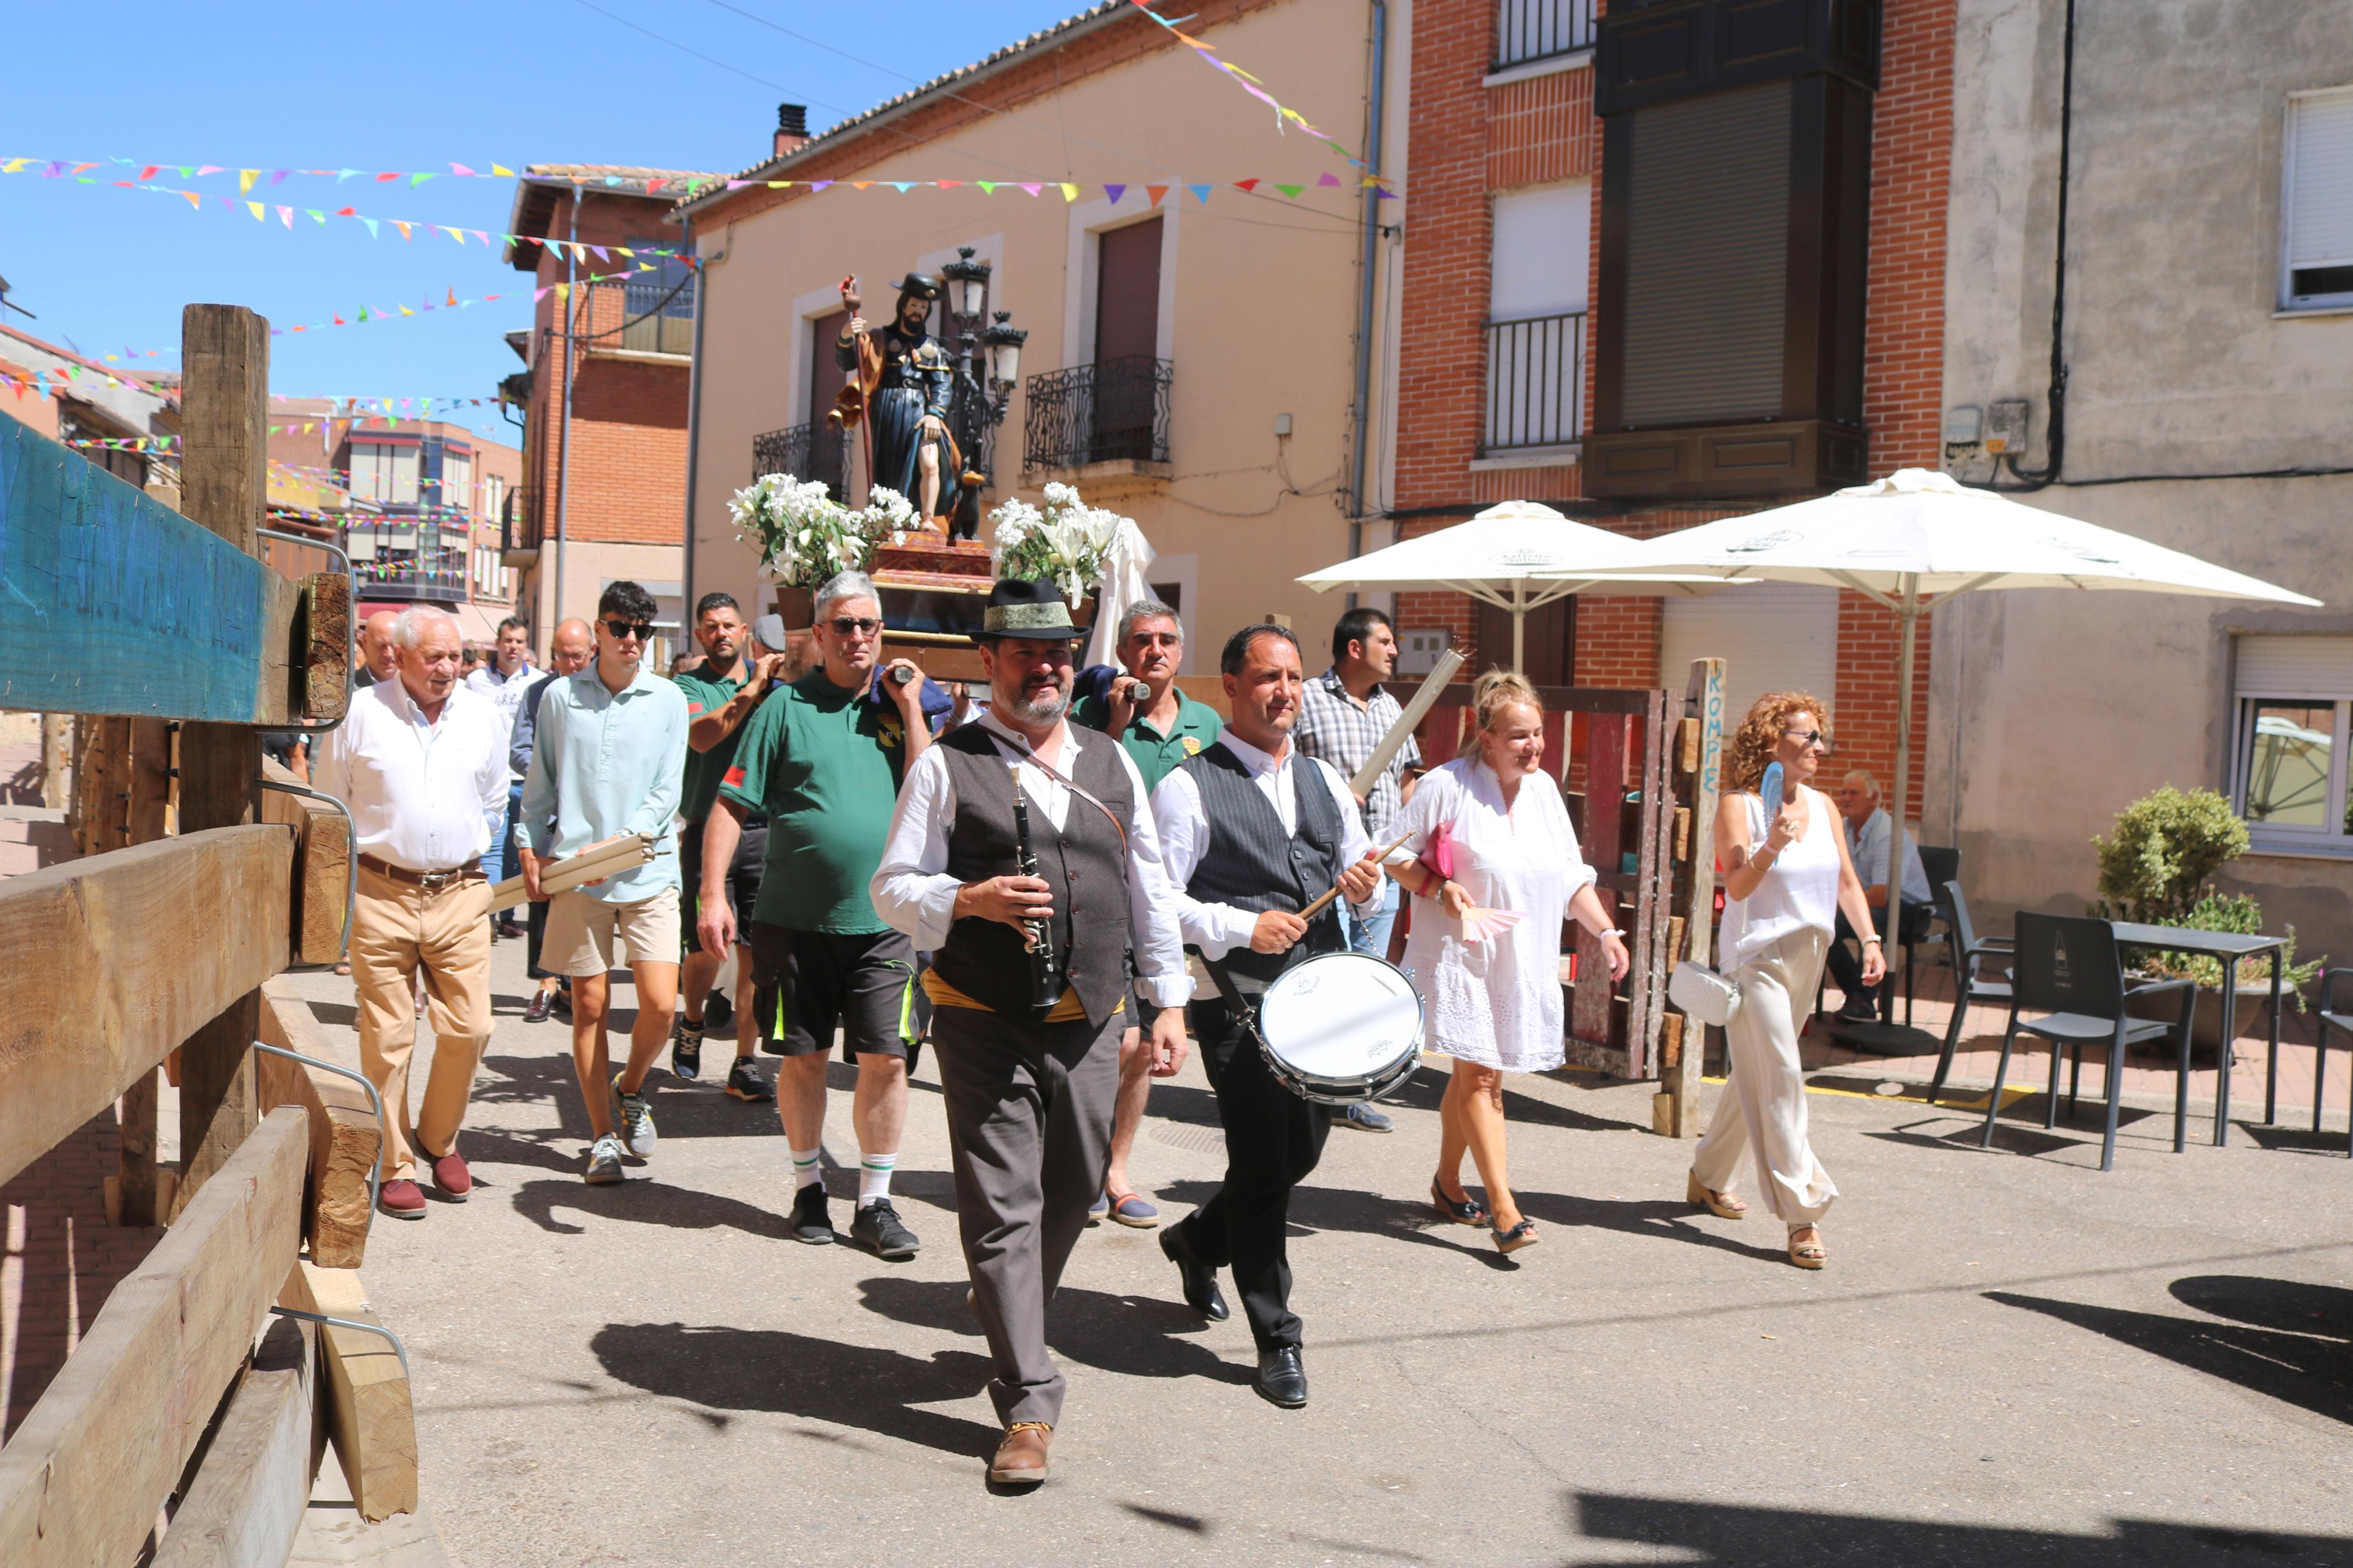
(1480, 924)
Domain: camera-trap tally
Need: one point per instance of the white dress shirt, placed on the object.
(506, 693)
(1218, 928)
(422, 796)
(913, 893)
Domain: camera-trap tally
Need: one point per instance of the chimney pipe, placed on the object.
(792, 127)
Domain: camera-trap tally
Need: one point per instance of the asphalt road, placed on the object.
(2012, 1358)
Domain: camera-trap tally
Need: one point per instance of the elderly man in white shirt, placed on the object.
(1027, 1050)
(1253, 833)
(421, 762)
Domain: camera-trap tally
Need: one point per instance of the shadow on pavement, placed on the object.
(699, 1109)
(647, 1202)
(2292, 1139)
(2285, 1339)
(1785, 1538)
(879, 1391)
(1138, 1335)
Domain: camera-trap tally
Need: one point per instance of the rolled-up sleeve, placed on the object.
(1183, 830)
(1155, 926)
(910, 889)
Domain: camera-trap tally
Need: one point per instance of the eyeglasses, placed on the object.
(622, 630)
(863, 625)
(1810, 737)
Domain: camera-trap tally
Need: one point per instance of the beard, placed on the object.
(1042, 707)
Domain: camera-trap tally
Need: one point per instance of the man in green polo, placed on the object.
(1158, 727)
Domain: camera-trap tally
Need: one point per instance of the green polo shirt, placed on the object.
(1156, 755)
(708, 694)
(824, 768)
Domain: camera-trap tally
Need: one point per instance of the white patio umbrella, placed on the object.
(1519, 556)
(1918, 537)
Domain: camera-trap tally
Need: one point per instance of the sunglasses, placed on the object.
(641, 630)
(1810, 737)
(864, 625)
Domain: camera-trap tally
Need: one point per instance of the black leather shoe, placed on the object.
(1200, 1280)
(1281, 1380)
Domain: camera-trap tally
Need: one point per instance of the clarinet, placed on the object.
(1045, 962)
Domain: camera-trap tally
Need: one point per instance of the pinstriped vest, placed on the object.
(1252, 864)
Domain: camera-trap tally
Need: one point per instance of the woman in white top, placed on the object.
(1786, 877)
(1494, 1004)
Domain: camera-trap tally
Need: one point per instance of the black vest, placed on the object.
(1085, 864)
(1252, 864)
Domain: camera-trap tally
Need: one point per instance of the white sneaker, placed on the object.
(635, 1120)
(605, 1162)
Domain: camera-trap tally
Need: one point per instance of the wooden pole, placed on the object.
(224, 422)
(1674, 1110)
(55, 737)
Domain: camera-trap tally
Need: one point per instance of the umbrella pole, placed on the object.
(1519, 628)
(1910, 613)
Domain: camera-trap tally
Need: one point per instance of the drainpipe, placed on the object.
(1367, 257)
(564, 464)
(693, 424)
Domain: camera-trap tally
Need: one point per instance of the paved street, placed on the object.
(2012, 1357)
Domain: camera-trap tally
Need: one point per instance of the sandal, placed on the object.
(1724, 1206)
(1521, 1234)
(1808, 1253)
(1470, 1211)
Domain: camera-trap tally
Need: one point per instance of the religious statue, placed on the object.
(905, 381)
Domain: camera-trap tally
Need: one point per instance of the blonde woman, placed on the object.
(1787, 876)
(1495, 824)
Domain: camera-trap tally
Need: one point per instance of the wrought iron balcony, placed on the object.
(812, 451)
(1114, 411)
(1527, 30)
(1536, 383)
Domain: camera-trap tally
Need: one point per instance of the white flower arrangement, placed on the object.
(804, 536)
(1066, 544)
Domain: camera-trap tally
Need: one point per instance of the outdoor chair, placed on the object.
(1965, 950)
(1917, 923)
(2334, 1015)
(2067, 968)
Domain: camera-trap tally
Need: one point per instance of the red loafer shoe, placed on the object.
(451, 1178)
(402, 1199)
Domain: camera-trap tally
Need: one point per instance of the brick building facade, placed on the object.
(1487, 126)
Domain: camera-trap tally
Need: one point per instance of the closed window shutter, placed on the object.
(1542, 252)
(1128, 292)
(1773, 637)
(2319, 666)
(1706, 259)
(2319, 219)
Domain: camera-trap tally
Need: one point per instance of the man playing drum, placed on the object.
(1251, 833)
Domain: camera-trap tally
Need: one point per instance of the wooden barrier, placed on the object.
(346, 1136)
(252, 1483)
(1674, 1110)
(370, 1417)
(322, 840)
(81, 1479)
(113, 962)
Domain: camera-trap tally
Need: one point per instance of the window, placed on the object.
(456, 480)
(1535, 317)
(2295, 703)
(2316, 202)
(1538, 29)
(383, 473)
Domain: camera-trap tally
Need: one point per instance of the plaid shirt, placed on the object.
(1331, 726)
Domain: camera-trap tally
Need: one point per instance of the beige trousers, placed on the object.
(396, 929)
(1763, 1107)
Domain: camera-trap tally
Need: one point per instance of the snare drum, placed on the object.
(1341, 1028)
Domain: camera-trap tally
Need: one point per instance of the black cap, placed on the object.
(1034, 612)
(921, 285)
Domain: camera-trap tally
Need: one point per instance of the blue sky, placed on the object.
(413, 87)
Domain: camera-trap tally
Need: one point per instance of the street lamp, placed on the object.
(1003, 341)
(968, 283)
(976, 410)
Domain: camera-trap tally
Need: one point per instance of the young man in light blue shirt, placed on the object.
(608, 760)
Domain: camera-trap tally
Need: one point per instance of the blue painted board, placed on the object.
(113, 603)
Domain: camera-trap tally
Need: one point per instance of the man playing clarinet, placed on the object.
(1028, 979)
(1252, 834)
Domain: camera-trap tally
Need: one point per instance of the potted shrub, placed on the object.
(804, 536)
(2157, 869)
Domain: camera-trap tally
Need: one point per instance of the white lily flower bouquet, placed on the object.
(804, 536)
(1066, 544)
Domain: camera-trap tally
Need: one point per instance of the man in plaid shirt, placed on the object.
(1344, 712)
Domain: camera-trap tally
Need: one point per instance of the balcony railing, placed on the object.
(812, 451)
(659, 321)
(1529, 30)
(1112, 412)
(1536, 383)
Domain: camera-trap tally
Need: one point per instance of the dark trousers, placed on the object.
(1845, 963)
(1273, 1139)
(1029, 1113)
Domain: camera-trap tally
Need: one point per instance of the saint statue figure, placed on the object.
(912, 378)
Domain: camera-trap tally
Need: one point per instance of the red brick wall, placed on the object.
(1538, 131)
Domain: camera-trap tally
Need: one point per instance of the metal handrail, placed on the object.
(374, 1099)
(1530, 30)
(351, 880)
(340, 553)
(397, 1348)
(1115, 409)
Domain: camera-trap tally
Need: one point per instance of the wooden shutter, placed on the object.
(825, 378)
(1550, 641)
(1128, 292)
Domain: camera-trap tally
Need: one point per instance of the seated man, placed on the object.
(1867, 825)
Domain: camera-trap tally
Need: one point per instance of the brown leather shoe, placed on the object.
(1021, 1459)
(401, 1198)
(451, 1178)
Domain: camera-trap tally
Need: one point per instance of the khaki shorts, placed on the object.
(580, 932)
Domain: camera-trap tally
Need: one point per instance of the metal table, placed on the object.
(2230, 947)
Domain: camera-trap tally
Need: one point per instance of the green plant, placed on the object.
(2158, 864)
(804, 536)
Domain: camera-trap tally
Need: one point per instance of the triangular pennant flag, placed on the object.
(502, 171)
(1246, 185)
(819, 184)
(403, 225)
(452, 299)
(364, 315)
(147, 173)
(208, 169)
(1155, 193)
(904, 186)
(316, 215)
(600, 253)
(460, 170)
(1069, 192)
(947, 184)
(1115, 192)
(245, 178)
(1290, 190)
(538, 294)
(1200, 193)
(193, 200)
(342, 175)
(564, 291)
(483, 238)
(862, 184)
(389, 174)
(416, 180)
(371, 223)
(345, 212)
(1033, 190)
(258, 212)
(778, 184)
(406, 311)
(987, 187)
(286, 217)
(277, 176)
(457, 234)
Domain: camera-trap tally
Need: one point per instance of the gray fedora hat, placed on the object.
(1018, 608)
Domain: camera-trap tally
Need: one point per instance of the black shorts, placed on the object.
(742, 878)
(809, 982)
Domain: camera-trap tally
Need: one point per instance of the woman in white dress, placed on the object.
(1786, 877)
(1492, 1001)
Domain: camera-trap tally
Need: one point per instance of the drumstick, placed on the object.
(1311, 911)
(1391, 744)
